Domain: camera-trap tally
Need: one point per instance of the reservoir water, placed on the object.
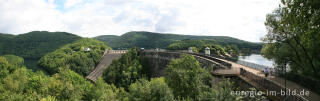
(257, 59)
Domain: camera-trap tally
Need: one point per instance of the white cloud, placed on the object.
(23, 16)
(70, 3)
(242, 19)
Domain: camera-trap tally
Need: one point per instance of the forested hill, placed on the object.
(150, 40)
(33, 45)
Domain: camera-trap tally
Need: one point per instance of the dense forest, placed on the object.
(185, 81)
(81, 56)
(21, 84)
(67, 83)
(33, 45)
(65, 59)
(293, 40)
(151, 40)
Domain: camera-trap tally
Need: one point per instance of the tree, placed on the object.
(126, 70)
(195, 49)
(186, 78)
(103, 92)
(23, 84)
(9, 63)
(3, 67)
(14, 60)
(200, 45)
(233, 50)
(221, 92)
(293, 33)
(154, 90)
(185, 44)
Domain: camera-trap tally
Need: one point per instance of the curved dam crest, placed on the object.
(158, 61)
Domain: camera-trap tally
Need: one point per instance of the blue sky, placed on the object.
(59, 4)
(243, 19)
(66, 5)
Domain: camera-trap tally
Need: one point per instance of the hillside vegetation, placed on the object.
(150, 40)
(18, 83)
(33, 45)
(215, 47)
(74, 56)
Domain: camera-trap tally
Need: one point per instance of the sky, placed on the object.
(243, 19)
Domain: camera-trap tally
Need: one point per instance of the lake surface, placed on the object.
(257, 59)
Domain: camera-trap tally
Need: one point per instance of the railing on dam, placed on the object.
(248, 64)
(244, 63)
(160, 54)
(253, 65)
(270, 85)
(173, 54)
(217, 59)
(205, 61)
(213, 58)
(115, 51)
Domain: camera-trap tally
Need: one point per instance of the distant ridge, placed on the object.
(33, 45)
(149, 40)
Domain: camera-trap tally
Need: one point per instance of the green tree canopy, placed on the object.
(14, 60)
(154, 90)
(186, 78)
(105, 92)
(126, 70)
(33, 45)
(200, 45)
(293, 36)
(23, 84)
(9, 63)
(75, 56)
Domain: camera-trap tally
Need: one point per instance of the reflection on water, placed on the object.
(258, 59)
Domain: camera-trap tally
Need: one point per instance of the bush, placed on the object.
(154, 90)
(23, 84)
(105, 92)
